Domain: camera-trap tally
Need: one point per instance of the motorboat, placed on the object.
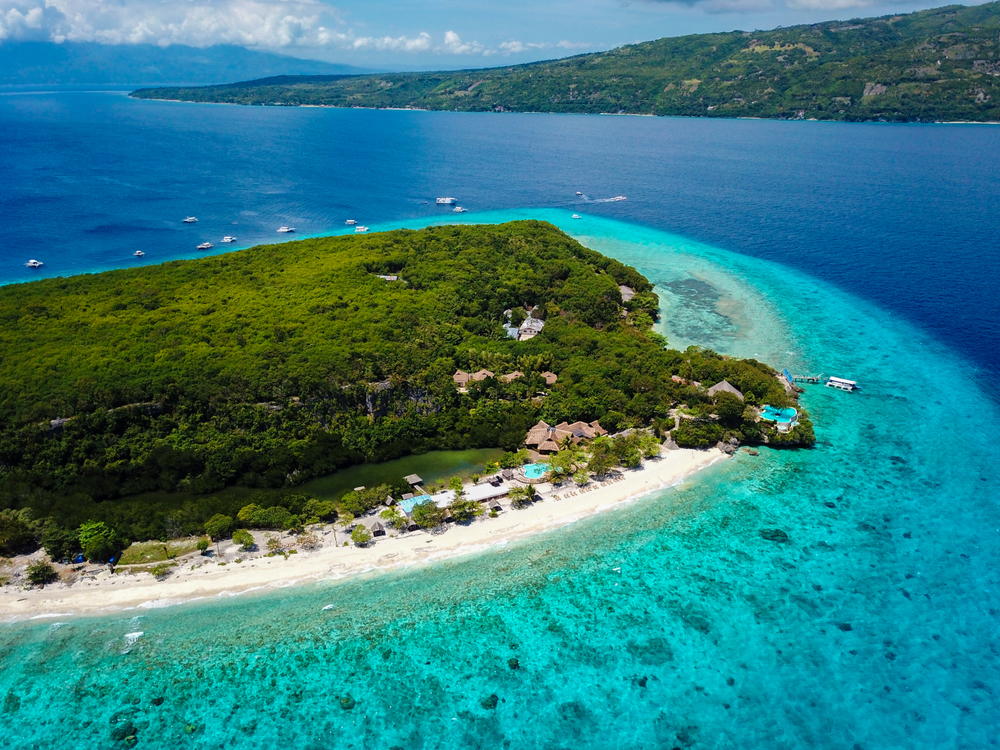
(205, 246)
(138, 253)
(617, 198)
(34, 263)
(459, 210)
(576, 216)
(578, 192)
(227, 238)
(446, 201)
(360, 229)
(350, 222)
(286, 230)
(190, 220)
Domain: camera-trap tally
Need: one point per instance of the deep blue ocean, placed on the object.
(868, 251)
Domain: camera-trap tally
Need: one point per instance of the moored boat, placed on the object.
(360, 229)
(227, 238)
(350, 222)
(138, 253)
(34, 263)
(205, 246)
(446, 201)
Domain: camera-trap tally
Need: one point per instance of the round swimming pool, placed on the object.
(535, 471)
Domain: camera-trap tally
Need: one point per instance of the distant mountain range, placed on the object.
(933, 65)
(136, 64)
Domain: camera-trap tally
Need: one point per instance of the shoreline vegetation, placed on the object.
(227, 569)
(131, 399)
(938, 65)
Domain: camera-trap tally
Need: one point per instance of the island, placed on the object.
(159, 412)
(930, 66)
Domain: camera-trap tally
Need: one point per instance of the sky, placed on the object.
(415, 34)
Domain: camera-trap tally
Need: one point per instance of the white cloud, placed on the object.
(270, 24)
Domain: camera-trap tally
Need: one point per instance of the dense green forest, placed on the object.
(932, 65)
(267, 367)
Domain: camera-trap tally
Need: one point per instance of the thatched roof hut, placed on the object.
(378, 529)
(550, 377)
(461, 377)
(413, 480)
(510, 376)
(725, 387)
(482, 374)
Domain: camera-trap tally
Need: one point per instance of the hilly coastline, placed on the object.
(933, 65)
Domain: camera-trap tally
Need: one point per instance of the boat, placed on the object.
(34, 263)
(459, 210)
(350, 222)
(446, 201)
(190, 220)
(578, 192)
(617, 198)
(576, 216)
(360, 229)
(227, 238)
(205, 246)
(286, 230)
(138, 253)
(842, 384)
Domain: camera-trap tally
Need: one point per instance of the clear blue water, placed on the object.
(672, 622)
(409, 504)
(535, 471)
(774, 414)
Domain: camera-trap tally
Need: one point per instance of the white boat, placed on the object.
(360, 229)
(446, 201)
(227, 238)
(205, 246)
(350, 222)
(34, 263)
(286, 230)
(578, 192)
(842, 384)
(576, 216)
(190, 220)
(138, 253)
(617, 198)
(459, 210)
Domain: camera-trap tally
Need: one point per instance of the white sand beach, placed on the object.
(198, 577)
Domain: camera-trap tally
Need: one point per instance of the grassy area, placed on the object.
(144, 553)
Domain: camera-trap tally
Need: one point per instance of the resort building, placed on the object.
(511, 376)
(461, 378)
(725, 387)
(530, 328)
(550, 377)
(486, 492)
(481, 375)
(547, 439)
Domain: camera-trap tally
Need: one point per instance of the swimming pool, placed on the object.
(781, 416)
(535, 471)
(408, 505)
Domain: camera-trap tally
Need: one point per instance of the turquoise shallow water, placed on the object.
(670, 623)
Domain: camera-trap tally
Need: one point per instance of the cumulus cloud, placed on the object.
(271, 24)
(251, 23)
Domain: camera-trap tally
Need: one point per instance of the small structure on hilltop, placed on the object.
(511, 376)
(725, 387)
(530, 328)
(482, 375)
(461, 378)
(550, 377)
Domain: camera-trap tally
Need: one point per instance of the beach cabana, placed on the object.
(378, 529)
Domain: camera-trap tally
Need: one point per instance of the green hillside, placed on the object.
(933, 65)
